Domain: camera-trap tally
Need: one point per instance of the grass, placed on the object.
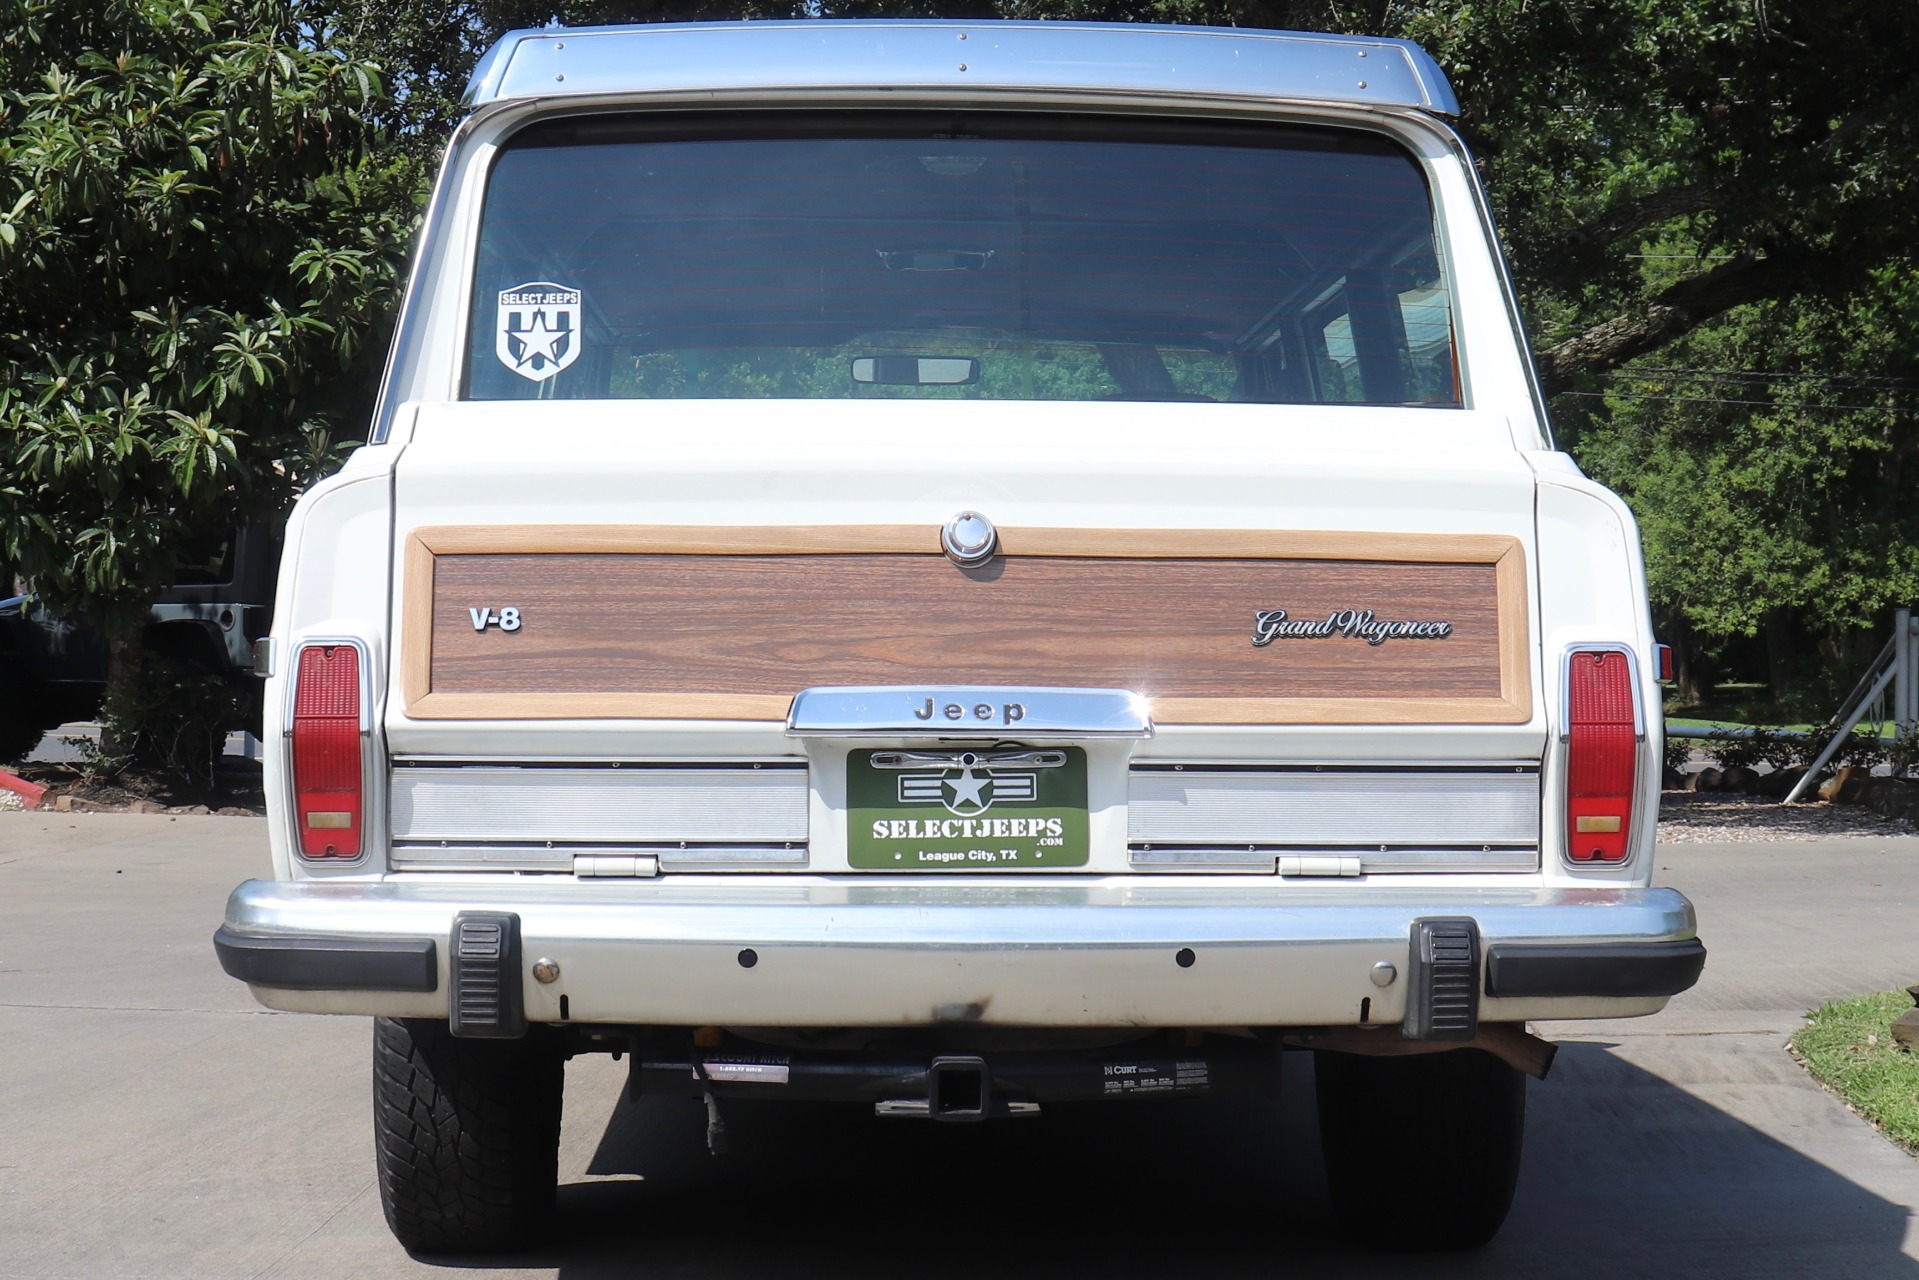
(1848, 1047)
(1750, 706)
(1701, 722)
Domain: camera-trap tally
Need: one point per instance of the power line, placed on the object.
(1760, 404)
(1757, 375)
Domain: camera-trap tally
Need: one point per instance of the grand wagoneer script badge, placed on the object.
(1360, 624)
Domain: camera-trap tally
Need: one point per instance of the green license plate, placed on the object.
(1003, 809)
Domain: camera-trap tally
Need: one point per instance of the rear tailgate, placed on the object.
(594, 589)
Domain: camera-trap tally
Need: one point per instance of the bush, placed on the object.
(176, 721)
(1746, 753)
(1861, 751)
(1903, 754)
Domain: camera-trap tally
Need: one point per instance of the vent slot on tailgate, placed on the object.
(488, 816)
(1333, 820)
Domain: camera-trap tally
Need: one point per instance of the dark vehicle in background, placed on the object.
(53, 669)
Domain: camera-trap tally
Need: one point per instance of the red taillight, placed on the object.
(326, 751)
(1602, 755)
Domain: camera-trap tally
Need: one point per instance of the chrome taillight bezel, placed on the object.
(368, 781)
(1642, 768)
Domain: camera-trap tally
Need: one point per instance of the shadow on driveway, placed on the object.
(1626, 1175)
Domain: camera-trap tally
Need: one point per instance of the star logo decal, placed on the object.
(540, 340)
(537, 333)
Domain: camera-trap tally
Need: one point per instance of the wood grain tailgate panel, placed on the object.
(689, 630)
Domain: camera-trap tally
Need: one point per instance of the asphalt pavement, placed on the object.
(155, 1122)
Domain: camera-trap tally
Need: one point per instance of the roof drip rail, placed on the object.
(990, 58)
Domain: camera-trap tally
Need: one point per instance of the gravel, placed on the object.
(8, 800)
(1691, 817)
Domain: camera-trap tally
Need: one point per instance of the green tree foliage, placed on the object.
(196, 276)
(1775, 142)
(1772, 460)
(201, 260)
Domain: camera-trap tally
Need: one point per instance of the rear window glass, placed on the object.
(958, 257)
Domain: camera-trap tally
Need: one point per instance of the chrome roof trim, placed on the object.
(953, 55)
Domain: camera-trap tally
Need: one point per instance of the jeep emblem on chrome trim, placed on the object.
(967, 711)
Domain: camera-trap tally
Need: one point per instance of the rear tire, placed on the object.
(1422, 1152)
(466, 1134)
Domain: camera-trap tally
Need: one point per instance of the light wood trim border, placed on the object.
(909, 539)
(416, 625)
(1505, 553)
(1515, 632)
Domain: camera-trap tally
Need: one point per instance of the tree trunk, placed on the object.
(1842, 650)
(1691, 668)
(1672, 313)
(1777, 625)
(126, 662)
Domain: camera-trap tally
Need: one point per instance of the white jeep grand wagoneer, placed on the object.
(960, 566)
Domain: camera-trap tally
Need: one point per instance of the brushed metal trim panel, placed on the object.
(1352, 809)
(499, 804)
(559, 859)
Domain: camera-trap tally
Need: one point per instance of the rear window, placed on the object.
(958, 257)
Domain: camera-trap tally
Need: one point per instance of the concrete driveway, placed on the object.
(155, 1122)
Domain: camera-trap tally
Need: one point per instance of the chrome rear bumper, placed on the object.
(871, 953)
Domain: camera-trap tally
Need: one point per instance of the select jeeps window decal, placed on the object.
(538, 332)
(1273, 624)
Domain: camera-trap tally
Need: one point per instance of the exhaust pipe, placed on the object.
(1510, 1042)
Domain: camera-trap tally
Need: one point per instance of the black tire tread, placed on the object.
(1422, 1151)
(466, 1136)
